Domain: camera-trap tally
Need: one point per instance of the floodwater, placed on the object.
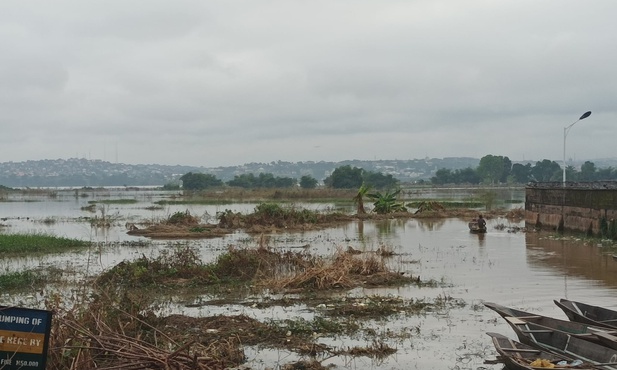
(525, 270)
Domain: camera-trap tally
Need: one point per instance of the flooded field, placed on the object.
(526, 270)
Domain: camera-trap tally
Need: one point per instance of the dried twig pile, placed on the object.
(127, 342)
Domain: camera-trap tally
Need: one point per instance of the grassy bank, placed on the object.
(17, 244)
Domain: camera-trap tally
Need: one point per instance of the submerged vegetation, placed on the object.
(118, 327)
(260, 267)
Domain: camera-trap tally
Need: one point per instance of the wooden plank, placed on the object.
(515, 320)
(547, 331)
(520, 350)
(608, 321)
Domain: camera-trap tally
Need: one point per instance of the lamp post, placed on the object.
(565, 133)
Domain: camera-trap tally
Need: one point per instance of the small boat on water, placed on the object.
(476, 227)
(597, 334)
(589, 314)
(518, 356)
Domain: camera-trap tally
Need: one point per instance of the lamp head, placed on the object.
(585, 115)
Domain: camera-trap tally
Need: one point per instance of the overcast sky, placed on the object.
(216, 83)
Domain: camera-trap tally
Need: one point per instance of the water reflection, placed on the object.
(390, 227)
(481, 237)
(572, 257)
(430, 224)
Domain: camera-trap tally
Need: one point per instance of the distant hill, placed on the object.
(79, 172)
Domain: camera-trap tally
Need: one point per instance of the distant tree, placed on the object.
(491, 168)
(608, 173)
(345, 177)
(308, 182)
(571, 173)
(588, 172)
(520, 173)
(442, 176)
(264, 180)
(466, 176)
(199, 181)
(463, 176)
(284, 182)
(171, 186)
(378, 180)
(546, 170)
(246, 180)
(507, 169)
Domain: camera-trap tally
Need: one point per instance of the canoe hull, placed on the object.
(593, 333)
(518, 356)
(588, 314)
(563, 343)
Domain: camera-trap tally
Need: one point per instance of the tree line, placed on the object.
(344, 177)
(494, 169)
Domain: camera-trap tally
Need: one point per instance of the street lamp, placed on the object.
(565, 133)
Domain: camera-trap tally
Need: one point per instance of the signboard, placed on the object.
(24, 338)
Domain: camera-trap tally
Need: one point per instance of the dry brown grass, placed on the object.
(344, 271)
(105, 338)
(171, 231)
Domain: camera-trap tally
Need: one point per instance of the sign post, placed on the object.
(24, 338)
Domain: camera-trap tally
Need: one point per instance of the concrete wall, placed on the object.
(577, 207)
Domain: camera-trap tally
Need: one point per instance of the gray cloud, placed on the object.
(229, 82)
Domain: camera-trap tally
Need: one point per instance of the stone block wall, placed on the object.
(578, 207)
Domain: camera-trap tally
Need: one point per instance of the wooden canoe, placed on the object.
(563, 343)
(475, 227)
(518, 356)
(598, 334)
(589, 314)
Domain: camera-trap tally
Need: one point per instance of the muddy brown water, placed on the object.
(523, 270)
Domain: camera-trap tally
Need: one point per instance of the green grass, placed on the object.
(17, 280)
(20, 244)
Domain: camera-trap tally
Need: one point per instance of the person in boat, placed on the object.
(481, 222)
